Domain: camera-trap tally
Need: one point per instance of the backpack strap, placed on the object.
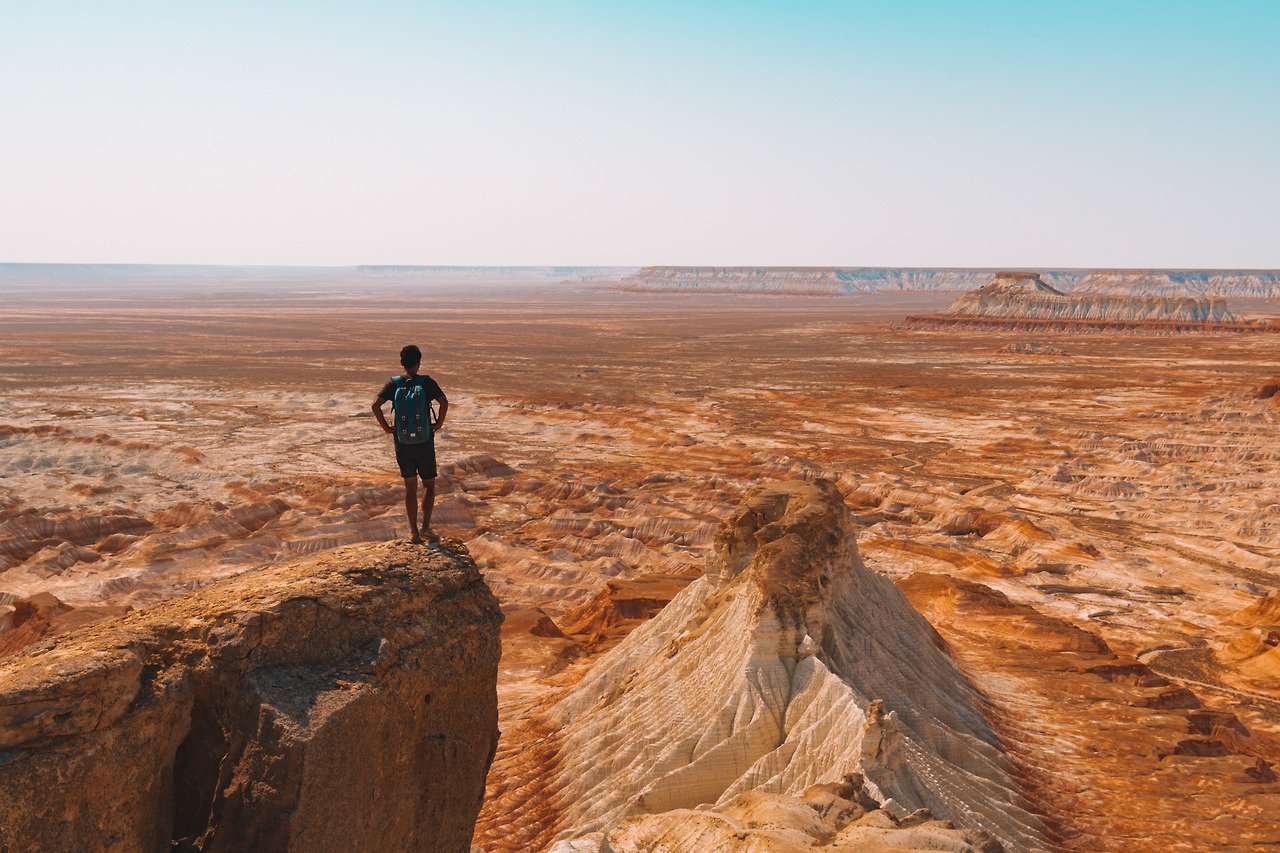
(397, 409)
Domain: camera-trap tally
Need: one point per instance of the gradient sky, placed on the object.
(809, 133)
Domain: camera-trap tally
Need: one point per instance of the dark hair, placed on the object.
(410, 356)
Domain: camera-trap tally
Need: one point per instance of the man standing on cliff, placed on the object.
(410, 395)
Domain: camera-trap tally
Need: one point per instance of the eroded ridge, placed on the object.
(787, 665)
(339, 702)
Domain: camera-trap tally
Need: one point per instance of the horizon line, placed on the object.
(613, 266)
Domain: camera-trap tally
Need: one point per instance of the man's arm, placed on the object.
(378, 403)
(444, 407)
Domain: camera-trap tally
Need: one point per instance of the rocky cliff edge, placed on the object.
(345, 701)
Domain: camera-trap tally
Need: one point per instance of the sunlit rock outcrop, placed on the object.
(341, 702)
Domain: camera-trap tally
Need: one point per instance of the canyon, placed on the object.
(1073, 541)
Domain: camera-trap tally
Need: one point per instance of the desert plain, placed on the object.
(1091, 522)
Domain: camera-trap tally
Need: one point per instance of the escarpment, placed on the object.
(831, 281)
(345, 701)
(1024, 301)
(788, 665)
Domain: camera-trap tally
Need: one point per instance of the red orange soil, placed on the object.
(1060, 520)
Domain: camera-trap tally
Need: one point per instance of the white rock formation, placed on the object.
(835, 817)
(789, 664)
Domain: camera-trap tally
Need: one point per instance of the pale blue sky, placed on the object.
(895, 133)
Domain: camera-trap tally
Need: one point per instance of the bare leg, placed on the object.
(411, 506)
(428, 503)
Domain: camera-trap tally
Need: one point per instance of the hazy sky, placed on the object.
(845, 133)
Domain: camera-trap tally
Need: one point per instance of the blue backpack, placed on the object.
(411, 410)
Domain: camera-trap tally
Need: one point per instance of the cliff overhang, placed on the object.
(344, 701)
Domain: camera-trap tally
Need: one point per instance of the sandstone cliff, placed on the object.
(340, 702)
(787, 665)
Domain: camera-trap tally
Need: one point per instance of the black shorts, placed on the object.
(417, 460)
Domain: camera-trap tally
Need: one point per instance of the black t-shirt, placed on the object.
(429, 387)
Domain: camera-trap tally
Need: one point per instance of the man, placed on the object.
(414, 434)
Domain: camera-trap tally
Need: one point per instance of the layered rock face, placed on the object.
(800, 280)
(1018, 294)
(1172, 283)
(837, 280)
(788, 665)
(341, 702)
(1023, 300)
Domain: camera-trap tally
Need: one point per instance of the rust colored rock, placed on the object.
(1269, 389)
(43, 615)
(621, 606)
(345, 701)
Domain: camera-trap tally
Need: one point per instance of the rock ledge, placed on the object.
(344, 701)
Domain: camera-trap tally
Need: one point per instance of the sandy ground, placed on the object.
(1082, 524)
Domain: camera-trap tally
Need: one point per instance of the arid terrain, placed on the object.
(1091, 522)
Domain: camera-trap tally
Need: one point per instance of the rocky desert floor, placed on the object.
(1091, 522)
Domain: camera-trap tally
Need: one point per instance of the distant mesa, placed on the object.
(40, 279)
(799, 281)
(1024, 301)
(835, 281)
